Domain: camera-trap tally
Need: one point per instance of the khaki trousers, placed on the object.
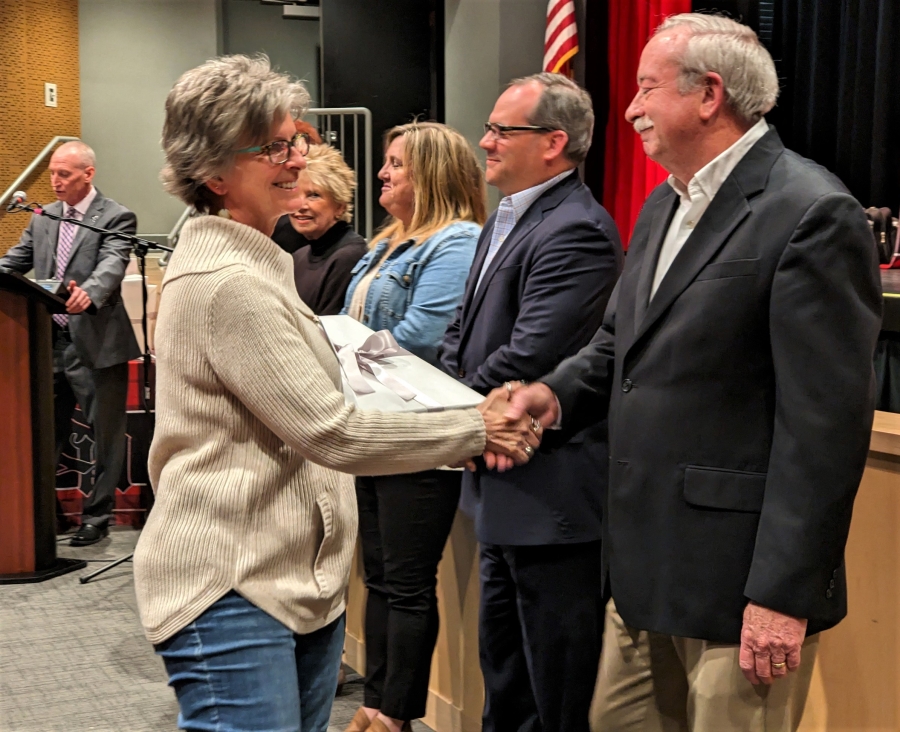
(659, 683)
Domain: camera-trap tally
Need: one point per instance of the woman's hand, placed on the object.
(516, 439)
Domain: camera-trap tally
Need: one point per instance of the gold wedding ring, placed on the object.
(529, 451)
(779, 665)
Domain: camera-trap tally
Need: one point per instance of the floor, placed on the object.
(73, 657)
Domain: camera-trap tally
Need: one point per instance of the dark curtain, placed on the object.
(841, 98)
(839, 65)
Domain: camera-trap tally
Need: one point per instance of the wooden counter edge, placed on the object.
(886, 433)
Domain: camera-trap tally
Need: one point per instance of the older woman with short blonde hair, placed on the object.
(241, 569)
(318, 234)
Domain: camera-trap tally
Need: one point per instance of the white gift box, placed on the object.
(433, 390)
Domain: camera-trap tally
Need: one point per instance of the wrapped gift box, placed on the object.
(431, 389)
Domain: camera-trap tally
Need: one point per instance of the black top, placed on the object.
(322, 267)
(286, 237)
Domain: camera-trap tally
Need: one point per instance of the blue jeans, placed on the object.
(237, 669)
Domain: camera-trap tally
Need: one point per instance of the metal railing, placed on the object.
(338, 136)
(32, 166)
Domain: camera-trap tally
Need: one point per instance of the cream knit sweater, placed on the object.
(254, 447)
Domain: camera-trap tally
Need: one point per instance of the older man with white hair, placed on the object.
(735, 364)
(94, 340)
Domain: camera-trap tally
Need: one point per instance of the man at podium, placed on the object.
(93, 341)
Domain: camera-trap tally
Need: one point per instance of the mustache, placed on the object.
(642, 123)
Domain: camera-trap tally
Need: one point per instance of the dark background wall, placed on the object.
(387, 56)
(839, 66)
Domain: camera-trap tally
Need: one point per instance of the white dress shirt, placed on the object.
(696, 197)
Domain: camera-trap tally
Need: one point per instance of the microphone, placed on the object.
(18, 198)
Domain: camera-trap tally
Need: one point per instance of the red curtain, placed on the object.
(629, 174)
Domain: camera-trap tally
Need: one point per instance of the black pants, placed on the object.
(102, 395)
(404, 522)
(540, 632)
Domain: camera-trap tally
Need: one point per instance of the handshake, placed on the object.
(515, 416)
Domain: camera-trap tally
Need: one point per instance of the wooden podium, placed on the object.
(27, 444)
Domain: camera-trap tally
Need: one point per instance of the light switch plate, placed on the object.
(49, 95)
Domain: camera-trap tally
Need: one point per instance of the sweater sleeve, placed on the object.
(260, 353)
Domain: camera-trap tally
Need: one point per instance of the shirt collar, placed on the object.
(710, 178)
(84, 204)
(521, 201)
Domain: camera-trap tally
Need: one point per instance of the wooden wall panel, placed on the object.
(16, 468)
(38, 43)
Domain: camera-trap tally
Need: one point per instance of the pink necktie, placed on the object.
(64, 248)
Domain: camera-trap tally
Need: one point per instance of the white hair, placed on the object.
(734, 52)
(86, 156)
(224, 104)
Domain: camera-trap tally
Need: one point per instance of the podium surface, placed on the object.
(27, 444)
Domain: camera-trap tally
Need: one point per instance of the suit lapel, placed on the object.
(659, 225)
(90, 217)
(726, 212)
(549, 200)
(53, 234)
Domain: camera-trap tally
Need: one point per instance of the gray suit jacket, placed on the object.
(102, 337)
(740, 401)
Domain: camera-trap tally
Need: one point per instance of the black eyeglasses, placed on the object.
(501, 132)
(279, 151)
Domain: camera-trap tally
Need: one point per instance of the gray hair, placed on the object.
(219, 107)
(563, 106)
(87, 158)
(732, 50)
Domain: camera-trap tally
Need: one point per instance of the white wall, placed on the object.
(131, 53)
(487, 44)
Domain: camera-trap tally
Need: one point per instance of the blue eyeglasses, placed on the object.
(279, 151)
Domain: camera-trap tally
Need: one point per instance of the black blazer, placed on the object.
(740, 401)
(541, 299)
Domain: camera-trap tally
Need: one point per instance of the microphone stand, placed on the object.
(140, 247)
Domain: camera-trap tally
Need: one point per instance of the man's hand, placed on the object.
(78, 300)
(770, 644)
(537, 400)
(509, 441)
(510, 392)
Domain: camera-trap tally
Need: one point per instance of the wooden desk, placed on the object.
(856, 682)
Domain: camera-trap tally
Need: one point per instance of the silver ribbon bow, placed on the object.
(376, 347)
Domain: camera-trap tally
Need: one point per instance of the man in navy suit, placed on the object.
(545, 266)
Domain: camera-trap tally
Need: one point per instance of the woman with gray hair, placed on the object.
(241, 569)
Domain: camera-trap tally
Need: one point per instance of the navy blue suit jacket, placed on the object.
(541, 299)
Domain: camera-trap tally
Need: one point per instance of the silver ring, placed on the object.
(529, 451)
(535, 425)
(508, 386)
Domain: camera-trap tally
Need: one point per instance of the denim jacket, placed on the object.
(416, 292)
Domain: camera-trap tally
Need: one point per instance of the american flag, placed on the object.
(561, 36)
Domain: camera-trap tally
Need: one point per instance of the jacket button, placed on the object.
(461, 373)
(831, 585)
(626, 385)
(378, 276)
(828, 594)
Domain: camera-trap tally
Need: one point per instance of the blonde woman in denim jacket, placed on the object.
(410, 283)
